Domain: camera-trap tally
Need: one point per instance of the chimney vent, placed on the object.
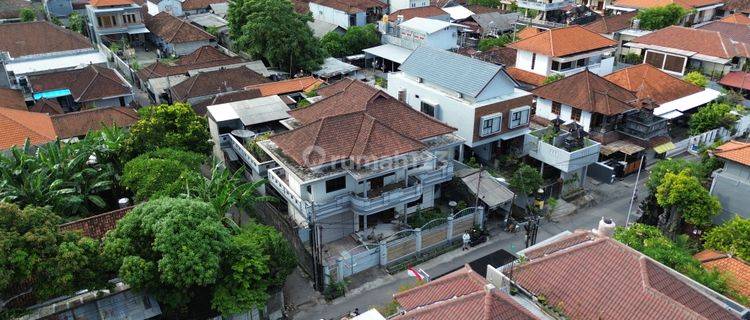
(606, 228)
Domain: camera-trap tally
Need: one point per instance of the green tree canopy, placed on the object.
(27, 15)
(182, 251)
(712, 116)
(732, 236)
(526, 180)
(273, 30)
(162, 173)
(661, 17)
(224, 189)
(489, 43)
(696, 78)
(76, 22)
(358, 38)
(40, 259)
(333, 44)
(685, 198)
(553, 77)
(661, 168)
(174, 126)
(485, 3)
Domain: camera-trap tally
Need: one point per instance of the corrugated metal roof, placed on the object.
(428, 26)
(451, 70)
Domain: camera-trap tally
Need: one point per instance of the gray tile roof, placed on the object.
(451, 70)
(496, 20)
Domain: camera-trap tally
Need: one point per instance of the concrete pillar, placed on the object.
(479, 216)
(383, 254)
(339, 269)
(450, 228)
(461, 153)
(418, 239)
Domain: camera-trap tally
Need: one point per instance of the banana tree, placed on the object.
(224, 189)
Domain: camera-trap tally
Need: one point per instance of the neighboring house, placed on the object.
(544, 6)
(673, 96)
(596, 5)
(175, 36)
(433, 33)
(347, 13)
(173, 7)
(284, 87)
(428, 12)
(88, 87)
(47, 106)
(609, 26)
(582, 272)
(334, 69)
(10, 10)
(199, 6)
(737, 32)
(117, 20)
(737, 81)
(699, 11)
(503, 56)
(358, 157)
(738, 18)
(205, 85)
(563, 51)
(399, 5)
(39, 47)
(493, 24)
(678, 50)
(78, 124)
(19, 125)
(461, 294)
(320, 28)
(11, 98)
(201, 108)
(731, 184)
(477, 97)
(738, 271)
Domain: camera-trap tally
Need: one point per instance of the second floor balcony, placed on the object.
(556, 149)
(544, 5)
(601, 67)
(259, 164)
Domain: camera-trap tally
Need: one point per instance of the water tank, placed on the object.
(636, 24)
(606, 228)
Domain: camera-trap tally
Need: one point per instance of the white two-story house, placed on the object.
(478, 98)
(395, 5)
(116, 19)
(347, 13)
(358, 158)
(564, 51)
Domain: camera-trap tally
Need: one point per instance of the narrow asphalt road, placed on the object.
(612, 202)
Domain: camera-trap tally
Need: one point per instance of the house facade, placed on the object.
(88, 87)
(116, 19)
(173, 7)
(476, 97)
(175, 36)
(345, 14)
(699, 11)
(419, 31)
(395, 5)
(731, 184)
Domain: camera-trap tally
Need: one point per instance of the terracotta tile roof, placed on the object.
(13, 99)
(736, 80)
(734, 151)
(604, 279)
(711, 43)
(643, 4)
(217, 81)
(351, 6)
(738, 18)
(11, 9)
(38, 37)
(199, 4)
(336, 87)
(455, 284)
(47, 106)
(110, 3)
(85, 84)
(589, 92)
(611, 24)
(742, 6)
(480, 9)
(649, 82)
(96, 226)
(564, 42)
(201, 108)
(203, 57)
(734, 31)
(19, 125)
(301, 6)
(175, 30)
(76, 124)
(305, 84)
(526, 76)
(361, 124)
(738, 269)
(422, 12)
(498, 55)
(528, 32)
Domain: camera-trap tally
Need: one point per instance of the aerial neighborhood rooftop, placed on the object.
(375, 159)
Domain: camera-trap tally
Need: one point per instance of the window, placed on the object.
(576, 115)
(655, 59)
(566, 65)
(129, 18)
(556, 106)
(674, 63)
(556, 65)
(581, 62)
(335, 184)
(428, 109)
(106, 21)
(533, 60)
(519, 117)
(491, 124)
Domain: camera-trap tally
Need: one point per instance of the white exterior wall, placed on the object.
(544, 109)
(337, 17)
(181, 49)
(541, 66)
(444, 39)
(172, 7)
(395, 5)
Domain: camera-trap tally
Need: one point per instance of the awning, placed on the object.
(664, 147)
(491, 192)
(56, 62)
(621, 146)
(671, 114)
(333, 67)
(688, 102)
(52, 94)
(390, 52)
(138, 30)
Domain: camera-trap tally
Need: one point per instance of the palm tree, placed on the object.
(224, 189)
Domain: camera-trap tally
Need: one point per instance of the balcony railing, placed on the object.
(602, 68)
(558, 157)
(543, 5)
(443, 173)
(259, 168)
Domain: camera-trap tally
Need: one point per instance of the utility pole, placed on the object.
(635, 190)
(479, 181)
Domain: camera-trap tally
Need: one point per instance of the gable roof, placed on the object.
(13, 99)
(203, 57)
(601, 278)
(424, 12)
(738, 270)
(11, 9)
(217, 81)
(175, 30)
(736, 80)
(19, 125)
(96, 226)
(589, 92)
(451, 70)
(351, 6)
(201, 108)
(85, 84)
(734, 31)
(47, 106)
(738, 18)
(524, 76)
(742, 6)
(648, 81)
(38, 37)
(564, 42)
(611, 24)
(734, 151)
(497, 55)
(359, 123)
(496, 20)
(199, 4)
(644, 4)
(287, 86)
(528, 32)
(109, 3)
(707, 42)
(428, 26)
(76, 124)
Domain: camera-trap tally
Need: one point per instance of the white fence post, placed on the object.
(339, 269)
(383, 253)
(479, 216)
(450, 228)
(418, 239)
